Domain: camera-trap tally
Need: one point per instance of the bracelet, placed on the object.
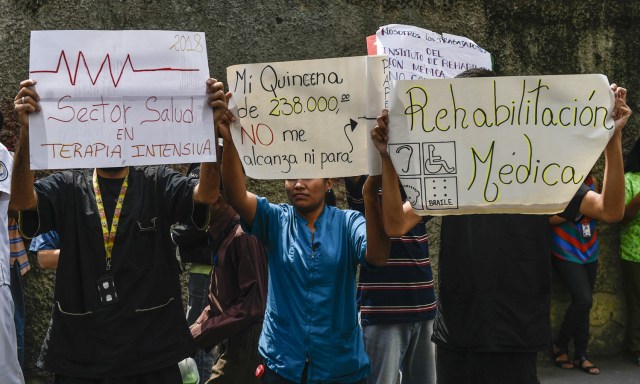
(384, 155)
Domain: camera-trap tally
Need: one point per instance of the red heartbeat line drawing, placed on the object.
(107, 60)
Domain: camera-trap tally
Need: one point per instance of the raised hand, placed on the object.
(379, 134)
(621, 111)
(26, 101)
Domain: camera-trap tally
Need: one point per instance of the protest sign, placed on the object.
(305, 119)
(114, 98)
(497, 145)
(418, 53)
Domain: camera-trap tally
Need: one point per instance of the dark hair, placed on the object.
(330, 197)
(1, 121)
(476, 72)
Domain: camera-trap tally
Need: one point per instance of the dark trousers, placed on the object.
(270, 377)
(17, 293)
(460, 367)
(169, 375)
(579, 280)
(631, 284)
(237, 358)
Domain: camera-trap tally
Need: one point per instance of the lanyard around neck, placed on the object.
(109, 233)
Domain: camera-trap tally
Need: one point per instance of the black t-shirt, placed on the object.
(146, 329)
(495, 281)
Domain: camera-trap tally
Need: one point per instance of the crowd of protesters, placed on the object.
(297, 292)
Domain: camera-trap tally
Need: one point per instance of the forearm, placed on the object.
(208, 188)
(610, 206)
(23, 195)
(393, 215)
(48, 258)
(235, 188)
(613, 189)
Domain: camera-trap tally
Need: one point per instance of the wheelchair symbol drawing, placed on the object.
(439, 158)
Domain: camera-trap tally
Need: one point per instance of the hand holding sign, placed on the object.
(621, 111)
(216, 99)
(380, 133)
(25, 102)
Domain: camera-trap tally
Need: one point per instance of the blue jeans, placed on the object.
(198, 300)
(17, 293)
(401, 353)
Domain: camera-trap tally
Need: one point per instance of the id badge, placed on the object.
(107, 290)
(586, 230)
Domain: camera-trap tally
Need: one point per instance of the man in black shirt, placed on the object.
(495, 271)
(118, 314)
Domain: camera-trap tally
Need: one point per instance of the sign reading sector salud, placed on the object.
(114, 98)
(498, 145)
(417, 53)
(305, 119)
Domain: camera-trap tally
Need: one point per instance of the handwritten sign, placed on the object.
(305, 118)
(497, 145)
(114, 98)
(418, 53)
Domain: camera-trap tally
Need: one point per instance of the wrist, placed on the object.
(613, 146)
(383, 155)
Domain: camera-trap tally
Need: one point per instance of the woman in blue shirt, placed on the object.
(310, 332)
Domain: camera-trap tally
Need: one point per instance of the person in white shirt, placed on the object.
(10, 371)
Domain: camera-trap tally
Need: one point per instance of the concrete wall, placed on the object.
(525, 37)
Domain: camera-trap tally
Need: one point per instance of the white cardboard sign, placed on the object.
(305, 119)
(497, 145)
(114, 98)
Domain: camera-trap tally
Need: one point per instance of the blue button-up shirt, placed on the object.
(311, 311)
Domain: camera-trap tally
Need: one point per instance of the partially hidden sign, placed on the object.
(418, 53)
(114, 98)
(497, 145)
(305, 119)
